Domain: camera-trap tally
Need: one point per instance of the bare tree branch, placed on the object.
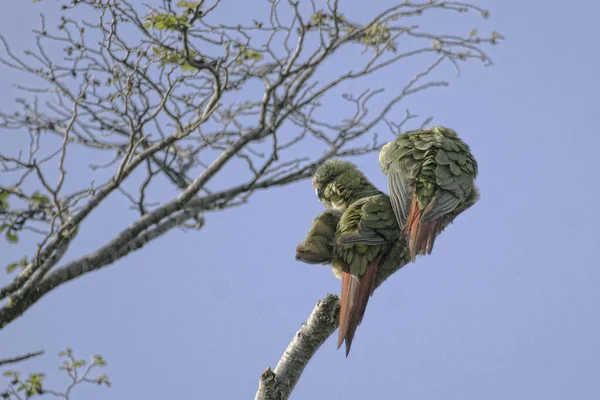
(279, 383)
(17, 359)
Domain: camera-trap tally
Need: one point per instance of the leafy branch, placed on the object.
(26, 387)
(157, 106)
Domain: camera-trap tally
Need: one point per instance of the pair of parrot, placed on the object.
(431, 174)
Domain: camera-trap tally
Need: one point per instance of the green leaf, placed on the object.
(190, 5)
(12, 237)
(40, 198)
(8, 373)
(187, 67)
(496, 35)
(167, 22)
(246, 54)
(166, 57)
(35, 380)
(98, 360)
(255, 56)
(319, 17)
(10, 268)
(104, 379)
(3, 196)
(3, 227)
(473, 33)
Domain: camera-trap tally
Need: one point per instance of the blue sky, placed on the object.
(507, 305)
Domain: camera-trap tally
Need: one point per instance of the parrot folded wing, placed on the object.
(401, 189)
(397, 162)
(366, 231)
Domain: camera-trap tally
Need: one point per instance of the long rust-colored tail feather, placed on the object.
(344, 303)
(421, 236)
(354, 306)
(428, 232)
(411, 229)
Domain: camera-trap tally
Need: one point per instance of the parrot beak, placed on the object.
(319, 192)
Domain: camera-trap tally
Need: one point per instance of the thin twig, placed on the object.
(14, 360)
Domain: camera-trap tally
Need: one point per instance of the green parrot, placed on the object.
(431, 174)
(366, 231)
(318, 248)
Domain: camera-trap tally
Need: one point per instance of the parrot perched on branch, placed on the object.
(431, 174)
(318, 248)
(366, 231)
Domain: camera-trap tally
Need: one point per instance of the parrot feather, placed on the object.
(345, 304)
(370, 238)
(400, 194)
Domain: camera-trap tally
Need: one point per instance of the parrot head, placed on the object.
(384, 163)
(320, 240)
(444, 131)
(338, 183)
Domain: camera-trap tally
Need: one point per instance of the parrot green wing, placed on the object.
(368, 222)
